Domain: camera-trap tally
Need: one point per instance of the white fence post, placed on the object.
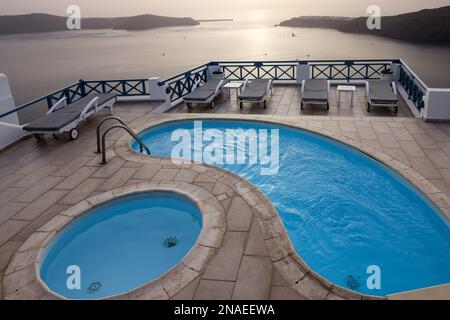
(8, 135)
(395, 67)
(303, 72)
(210, 71)
(158, 91)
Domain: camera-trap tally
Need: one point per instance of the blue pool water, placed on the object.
(122, 244)
(343, 210)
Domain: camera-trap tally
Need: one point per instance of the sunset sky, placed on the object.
(216, 8)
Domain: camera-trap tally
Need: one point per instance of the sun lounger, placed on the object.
(255, 91)
(66, 118)
(205, 94)
(315, 91)
(381, 93)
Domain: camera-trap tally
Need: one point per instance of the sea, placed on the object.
(37, 64)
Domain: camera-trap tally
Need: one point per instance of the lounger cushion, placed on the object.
(381, 92)
(62, 117)
(383, 97)
(315, 96)
(103, 97)
(380, 86)
(252, 94)
(199, 95)
(260, 84)
(210, 85)
(53, 121)
(316, 85)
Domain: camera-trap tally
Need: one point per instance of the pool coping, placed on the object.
(281, 251)
(25, 264)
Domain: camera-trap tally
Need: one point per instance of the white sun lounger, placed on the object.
(205, 93)
(63, 117)
(381, 93)
(315, 91)
(255, 90)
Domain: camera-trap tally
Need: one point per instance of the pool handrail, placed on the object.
(99, 126)
(142, 145)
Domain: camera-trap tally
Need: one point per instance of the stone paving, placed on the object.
(40, 180)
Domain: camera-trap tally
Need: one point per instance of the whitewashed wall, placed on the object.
(437, 105)
(8, 135)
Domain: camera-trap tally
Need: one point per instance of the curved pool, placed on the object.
(121, 245)
(343, 210)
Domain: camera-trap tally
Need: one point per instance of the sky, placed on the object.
(217, 8)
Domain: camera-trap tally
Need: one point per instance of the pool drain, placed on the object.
(170, 242)
(94, 287)
(353, 282)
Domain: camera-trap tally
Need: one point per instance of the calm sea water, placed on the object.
(39, 63)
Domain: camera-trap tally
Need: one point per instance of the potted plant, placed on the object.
(387, 74)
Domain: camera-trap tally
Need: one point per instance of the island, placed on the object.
(215, 20)
(40, 22)
(425, 26)
(148, 21)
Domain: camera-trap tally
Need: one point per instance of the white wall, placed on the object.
(8, 135)
(408, 102)
(303, 73)
(437, 105)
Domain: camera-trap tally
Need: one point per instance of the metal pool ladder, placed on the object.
(102, 149)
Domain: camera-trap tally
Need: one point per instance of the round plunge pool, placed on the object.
(121, 245)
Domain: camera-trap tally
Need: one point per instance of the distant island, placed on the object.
(425, 26)
(39, 22)
(216, 20)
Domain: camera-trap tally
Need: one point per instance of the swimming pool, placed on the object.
(122, 244)
(343, 210)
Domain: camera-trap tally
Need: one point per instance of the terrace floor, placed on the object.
(40, 180)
